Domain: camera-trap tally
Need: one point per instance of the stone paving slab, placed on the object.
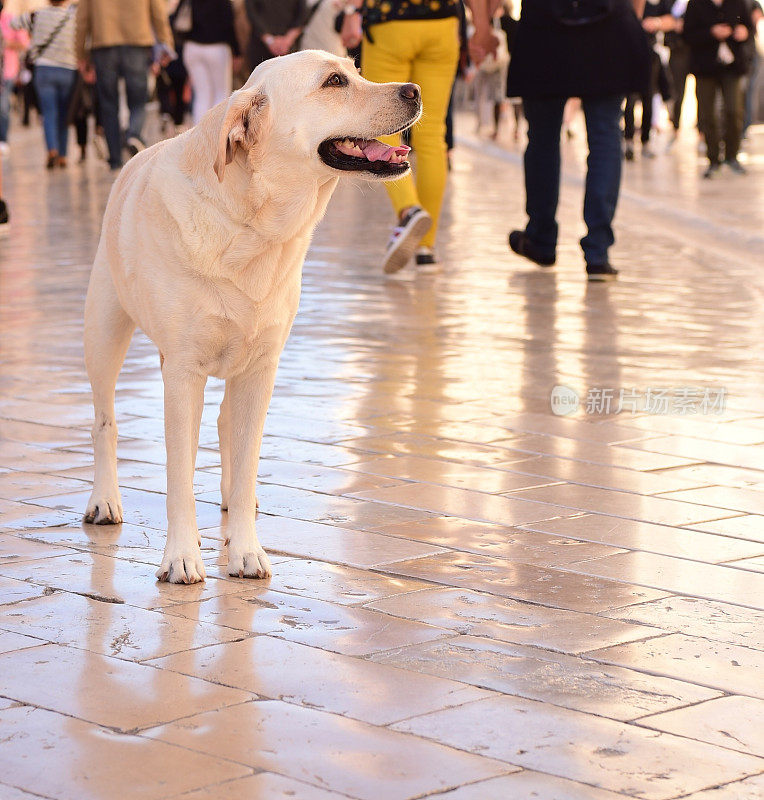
(473, 598)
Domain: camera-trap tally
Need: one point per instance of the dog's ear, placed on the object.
(242, 123)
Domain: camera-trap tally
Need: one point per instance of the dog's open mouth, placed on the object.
(368, 155)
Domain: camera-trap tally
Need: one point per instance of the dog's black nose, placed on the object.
(409, 91)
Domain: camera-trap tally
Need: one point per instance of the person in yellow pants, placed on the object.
(410, 41)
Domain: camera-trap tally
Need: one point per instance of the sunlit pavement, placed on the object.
(474, 597)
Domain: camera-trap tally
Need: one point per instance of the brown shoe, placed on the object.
(52, 159)
(61, 162)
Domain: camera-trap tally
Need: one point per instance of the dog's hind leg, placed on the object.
(183, 404)
(108, 330)
(224, 435)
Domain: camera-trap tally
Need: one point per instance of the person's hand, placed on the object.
(679, 24)
(352, 30)
(155, 68)
(740, 34)
(651, 24)
(721, 31)
(85, 67)
(238, 63)
(482, 43)
(270, 42)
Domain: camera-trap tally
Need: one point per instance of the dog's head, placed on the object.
(315, 109)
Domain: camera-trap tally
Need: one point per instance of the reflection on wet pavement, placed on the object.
(473, 598)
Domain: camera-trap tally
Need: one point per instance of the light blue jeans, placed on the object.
(54, 87)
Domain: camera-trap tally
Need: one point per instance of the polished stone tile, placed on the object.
(601, 752)
(528, 785)
(109, 628)
(16, 485)
(447, 473)
(340, 629)
(85, 762)
(538, 674)
(15, 548)
(484, 538)
(718, 622)
(753, 564)
(717, 452)
(479, 614)
(728, 667)
(519, 581)
(336, 584)
(661, 539)
(750, 789)
(745, 526)
(733, 722)
(14, 591)
(352, 757)
(679, 576)
(263, 786)
(739, 500)
(347, 686)
(476, 506)
(103, 690)
(9, 642)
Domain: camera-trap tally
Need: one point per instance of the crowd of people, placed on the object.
(79, 62)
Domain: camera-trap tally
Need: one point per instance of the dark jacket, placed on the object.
(604, 58)
(212, 23)
(700, 17)
(275, 17)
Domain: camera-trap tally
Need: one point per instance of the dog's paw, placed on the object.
(182, 567)
(104, 508)
(249, 563)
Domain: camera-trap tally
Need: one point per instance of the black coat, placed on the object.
(605, 58)
(699, 18)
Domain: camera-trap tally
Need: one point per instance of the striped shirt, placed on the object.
(42, 24)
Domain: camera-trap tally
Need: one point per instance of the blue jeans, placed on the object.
(54, 87)
(6, 90)
(603, 177)
(111, 64)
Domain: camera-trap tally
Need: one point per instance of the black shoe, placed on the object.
(425, 257)
(712, 171)
(628, 151)
(523, 246)
(736, 166)
(601, 272)
(4, 217)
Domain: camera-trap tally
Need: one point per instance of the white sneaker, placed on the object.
(405, 237)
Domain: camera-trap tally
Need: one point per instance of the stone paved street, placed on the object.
(473, 598)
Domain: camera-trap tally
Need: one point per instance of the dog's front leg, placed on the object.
(183, 402)
(250, 396)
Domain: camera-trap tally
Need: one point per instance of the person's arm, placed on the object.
(352, 24)
(483, 41)
(639, 7)
(22, 22)
(161, 25)
(231, 39)
(663, 23)
(83, 34)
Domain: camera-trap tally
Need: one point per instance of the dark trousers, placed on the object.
(646, 98)
(707, 89)
(111, 64)
(603, 176)
(679, 66)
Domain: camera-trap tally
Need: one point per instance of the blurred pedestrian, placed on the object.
(210, 48)
(276, 26)
(16, 43)
(679, 65)
(116, 37)
(594, 50)
(4, 215)
(752, 84)
(320, 28)
(55, 70)
(657, 18)
(720, 36)
(490, 82)
(416, 42)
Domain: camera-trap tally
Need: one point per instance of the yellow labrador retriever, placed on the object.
(202, 246)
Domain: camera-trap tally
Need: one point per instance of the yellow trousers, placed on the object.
(424, 52)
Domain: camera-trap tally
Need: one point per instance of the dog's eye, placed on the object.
(335, 79)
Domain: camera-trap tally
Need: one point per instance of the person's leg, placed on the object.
(542, 170)
(752, 84)
(135, 64)
(705, 90)
(603, 176)
(65, 86)
(433, 69)
(679, 64)
(193, 60)
(106, 62)
(5, 108)
(388, 58)
(45, 86)
(628, 118)
(732, 99)
(221, 73)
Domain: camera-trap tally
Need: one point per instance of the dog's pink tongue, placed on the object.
(377, 151)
